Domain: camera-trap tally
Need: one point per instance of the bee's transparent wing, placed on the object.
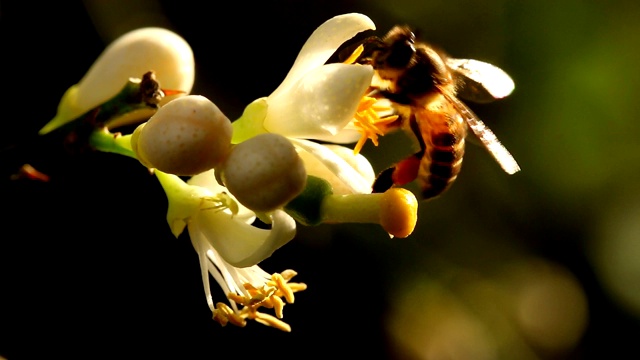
(488, 139)
(479, 81)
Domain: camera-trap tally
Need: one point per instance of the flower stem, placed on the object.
(395, 210)
(103, 140)
(353, 208)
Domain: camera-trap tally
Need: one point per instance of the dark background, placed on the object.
(540, 265)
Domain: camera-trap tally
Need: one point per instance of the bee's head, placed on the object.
(399, 48)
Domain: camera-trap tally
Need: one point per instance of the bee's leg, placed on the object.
(400, 174)
(384, 181)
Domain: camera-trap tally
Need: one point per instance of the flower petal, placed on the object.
(321, 103)
(347, 135)
(323, 43)
(241, 244)
(338, 166)
(360, 164)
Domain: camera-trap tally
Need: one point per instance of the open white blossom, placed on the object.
(211, 211)
(316, 101)
(229, 248)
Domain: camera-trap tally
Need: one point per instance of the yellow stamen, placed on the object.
(278, 305)
(355, 55)
(283, 287)
(288, 274)
(269, 296)
(369, 123)
(237, 298)
(224, 314)
(269, 320)
(295, 287)
(237, 320)
(268, 302)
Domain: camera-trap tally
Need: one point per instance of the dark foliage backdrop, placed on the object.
(540, 265)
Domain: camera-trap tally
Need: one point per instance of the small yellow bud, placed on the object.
(264, 172)
(398, 212)
(187, 136)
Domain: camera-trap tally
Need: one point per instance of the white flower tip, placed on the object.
(323, 43)
(187, 136)
(359, 21)
(132, 55)
(264, 172)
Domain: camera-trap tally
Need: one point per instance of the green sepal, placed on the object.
(251, 122)
(136, 94)
(306, 207)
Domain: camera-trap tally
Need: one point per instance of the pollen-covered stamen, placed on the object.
(224, 314)
(283, 287)
(269, 296)
(269, 320)
(369, 123)
(278, 305)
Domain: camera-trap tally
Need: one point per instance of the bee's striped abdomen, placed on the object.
(443, 134)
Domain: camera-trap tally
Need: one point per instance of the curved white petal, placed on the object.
(338, 166)
(323, 43)
(359, 163)
(208, 180)
(345, 136)
(321, 103)
(132, 55)
(229, 278)
(239, 243)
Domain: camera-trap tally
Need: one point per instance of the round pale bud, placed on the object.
(187, 136)
(264, 173)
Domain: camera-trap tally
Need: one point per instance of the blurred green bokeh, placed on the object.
(544, 264)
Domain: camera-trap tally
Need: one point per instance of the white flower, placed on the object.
(130, 56)
(229, 248)
(211, 211)
(317, 101)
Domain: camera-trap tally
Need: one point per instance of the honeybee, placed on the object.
(423, 85)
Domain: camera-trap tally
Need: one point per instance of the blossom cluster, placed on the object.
(284, 162)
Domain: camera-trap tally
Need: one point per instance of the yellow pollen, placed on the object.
(278, 305)
(369, 124)
(268, 296)
(288, 274)
(269, 320)
(223, 314)
(283, 287)
(295, 287)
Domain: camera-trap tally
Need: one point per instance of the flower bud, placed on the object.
(131, 55)
(187, 136)
(264, 172)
